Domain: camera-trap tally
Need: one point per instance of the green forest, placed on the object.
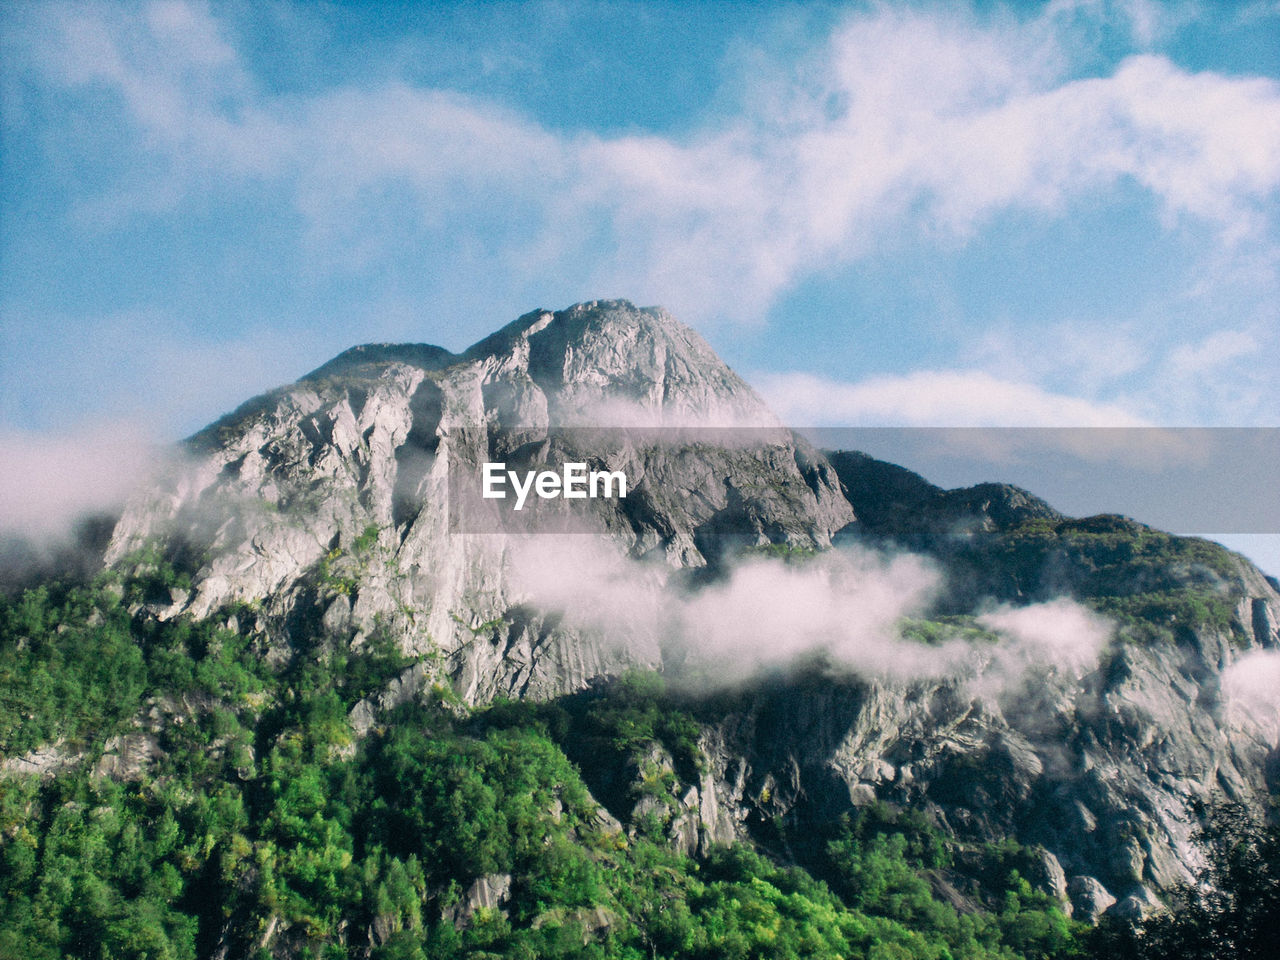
(258, 824)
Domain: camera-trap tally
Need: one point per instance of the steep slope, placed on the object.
(333, 505)
(1104, 770)
(326, 515)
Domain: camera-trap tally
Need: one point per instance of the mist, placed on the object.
(846, 607)
(1251, 688)
(49, 483)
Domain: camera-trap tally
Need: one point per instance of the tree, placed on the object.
(1232, 912)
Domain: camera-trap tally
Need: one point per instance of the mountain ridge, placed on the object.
(315, 520)
(370, 442)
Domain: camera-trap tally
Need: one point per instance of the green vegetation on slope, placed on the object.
(1230, 913)
(1153, 583)
(261, 824)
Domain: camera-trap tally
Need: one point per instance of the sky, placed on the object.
(1030, 214)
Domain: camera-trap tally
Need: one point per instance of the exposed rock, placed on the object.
(1051, 879)
(592, 920)
(128, 757)
(1102, 771)
(490, 892)
(44, 761)
(402, 689)
(337, 618)
(1089, 898)
(332, 509)
(1139, 904)
(605, 822)
(1263, 621)
(334, 503)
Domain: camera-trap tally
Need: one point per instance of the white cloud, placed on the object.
(931, 398)
(1061, 633)
(944, 123)
(763, 614)
(48, 481)
(1207, 145)
(845, 605)
(1089, 353)
(1188, 373)
(1252, 689)
(1212, 352)
(1224, 378)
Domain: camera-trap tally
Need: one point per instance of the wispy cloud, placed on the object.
(931, 398)
(903, 126)
(846, 605)
(1250, 688)
(1212, 352)
(1179, 374)
(48, 481)
(910, 121)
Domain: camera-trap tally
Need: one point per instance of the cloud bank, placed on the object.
(903, 120)
(845, 606)
(932, 398)
(364, 203)
(48, 482)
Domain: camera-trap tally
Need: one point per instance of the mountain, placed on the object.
(845, 646)
(327, 502)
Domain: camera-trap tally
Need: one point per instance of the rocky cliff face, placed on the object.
(326, 505)
(325, 509)
(1099, 772)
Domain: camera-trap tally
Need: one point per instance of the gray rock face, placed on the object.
(1137, 905)
(329, 510)
(490, 892)
(44, 761)
(1101, 771)
(1052, 880)
(1263, 623)
(326, 505)
(694, 816)
(127, 757)
(1089, 898)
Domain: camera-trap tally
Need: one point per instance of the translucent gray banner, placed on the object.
(1187, 480)
(1206, 480)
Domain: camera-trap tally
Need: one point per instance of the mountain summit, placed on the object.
(1065, 682)
(327, 502)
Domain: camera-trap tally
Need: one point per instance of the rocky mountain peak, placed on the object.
(370, 356)
(329, 501)
(610, 363)
(320, 516)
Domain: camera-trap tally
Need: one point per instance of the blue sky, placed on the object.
(1028, 214)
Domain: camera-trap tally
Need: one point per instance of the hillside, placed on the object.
(322, 699)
